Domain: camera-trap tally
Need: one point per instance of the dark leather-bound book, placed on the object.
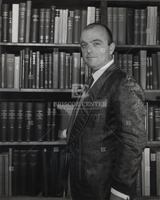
(33, 178)
(3, 121)
(19, 122)
(15, 173)
(29, 123)
(22, 22)
(23, 172)
(35, 25)
(5, 11)
(11, 120)
(40, 121)
(28, 20)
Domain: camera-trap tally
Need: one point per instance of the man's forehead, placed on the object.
(93, 34)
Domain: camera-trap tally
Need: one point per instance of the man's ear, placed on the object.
(111, 48)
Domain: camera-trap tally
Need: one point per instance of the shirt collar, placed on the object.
(99, 72)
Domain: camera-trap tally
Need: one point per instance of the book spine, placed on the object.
(20, 121)
(41, 25)
(22, 20)
(28, 21)
(39, 121)
(11, 121)
(15, 20)
(29, 123)
(5, 13)
(52, 24)
(4, 120)
(35, 21)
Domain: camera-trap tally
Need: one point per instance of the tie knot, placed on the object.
(90, 81)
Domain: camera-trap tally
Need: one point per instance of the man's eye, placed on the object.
(96, 44)
(83, 46)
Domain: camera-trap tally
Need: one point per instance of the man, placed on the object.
(107, 132)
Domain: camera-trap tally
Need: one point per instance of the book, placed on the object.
(5, 13)
(70, 26)
(20, 121)
(62, 70)
(22, 172)
(48, 121)
(130, 26)
(153, 191)
(52, 24)
(39, 130)
(76, 26)
(3, 121)
(35, 25)
(158, 172)
(15, 172)
(41, 25)
(47, 18)
(151, 123)
(10, 69)
(76, 57)
(55, 58)
(11, 121)
(9, 37)
(22, 20)
(29, 122)
(33, 179)
(28, 20)
(121, 38)
(157, 122)
(15, 20)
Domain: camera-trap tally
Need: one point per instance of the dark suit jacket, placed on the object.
(107, 137)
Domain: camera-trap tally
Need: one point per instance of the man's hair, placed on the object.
(108, 31)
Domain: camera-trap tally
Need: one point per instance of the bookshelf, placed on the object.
(39, 51)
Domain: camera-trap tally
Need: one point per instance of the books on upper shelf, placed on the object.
(34, 121)
(45, 25)
(139, 26)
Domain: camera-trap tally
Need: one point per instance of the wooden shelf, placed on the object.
(33, 198)
(153, 144)
(35, 90)
(39, 45)
(35, 143)
(152, 95)
(77, 46)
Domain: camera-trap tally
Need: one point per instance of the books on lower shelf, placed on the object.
(148, 181)
(34, 121)
(33, 172)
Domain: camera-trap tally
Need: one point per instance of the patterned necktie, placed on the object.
(89, 83)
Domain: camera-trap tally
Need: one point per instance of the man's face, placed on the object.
(95, 49)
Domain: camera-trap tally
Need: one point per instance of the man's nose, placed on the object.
(90, 48)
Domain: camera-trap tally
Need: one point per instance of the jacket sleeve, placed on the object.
(131, 136)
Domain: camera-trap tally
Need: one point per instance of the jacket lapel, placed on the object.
(85, 109)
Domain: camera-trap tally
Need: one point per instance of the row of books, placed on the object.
(33, 121)
(144, 67)
(22, 23)
(134, 25)
(33, 172)
(62, 70)
(148, 180)
(33, 69)
(153, 122)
